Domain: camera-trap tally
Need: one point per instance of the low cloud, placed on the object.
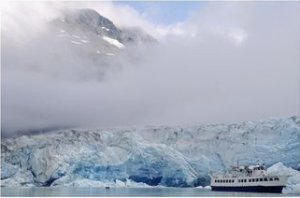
(226, 63)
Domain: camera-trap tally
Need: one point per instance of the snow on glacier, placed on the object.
(161, 155)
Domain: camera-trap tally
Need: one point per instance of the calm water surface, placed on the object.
(125, 192)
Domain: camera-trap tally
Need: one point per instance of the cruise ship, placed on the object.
(248, 179)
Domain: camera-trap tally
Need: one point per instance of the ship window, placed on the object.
(271, 179)
(232, 181)
(226, 181)
(265, 179)
(249, 180)
(276, 179)
(257, 179)
(260, 179)
(245, 180)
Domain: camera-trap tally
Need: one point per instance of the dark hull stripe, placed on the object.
(270, 189)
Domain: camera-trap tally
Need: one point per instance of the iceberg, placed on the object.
(293, 182)
(151, 155)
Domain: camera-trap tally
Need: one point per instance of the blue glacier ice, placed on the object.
(151, 156)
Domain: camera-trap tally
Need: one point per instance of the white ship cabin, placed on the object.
(247, 176)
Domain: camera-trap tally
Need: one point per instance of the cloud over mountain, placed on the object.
(228, 62)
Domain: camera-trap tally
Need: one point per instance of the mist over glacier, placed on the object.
(228, 62)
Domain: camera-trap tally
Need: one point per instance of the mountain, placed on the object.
(87, 28)
(167, 156)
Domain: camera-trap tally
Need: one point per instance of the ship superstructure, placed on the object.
(248, 179)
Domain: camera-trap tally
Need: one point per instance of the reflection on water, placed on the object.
(126, 192)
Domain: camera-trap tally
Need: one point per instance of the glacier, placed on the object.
(150, 156)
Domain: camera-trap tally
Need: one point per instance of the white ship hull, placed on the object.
(249, 184)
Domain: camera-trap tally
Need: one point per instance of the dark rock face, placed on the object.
(90, 21)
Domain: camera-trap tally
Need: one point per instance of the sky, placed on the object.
(214, 62)
(165, 12)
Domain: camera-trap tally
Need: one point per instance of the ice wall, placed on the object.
(167, 156)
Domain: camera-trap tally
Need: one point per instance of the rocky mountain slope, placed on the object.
(96, 34)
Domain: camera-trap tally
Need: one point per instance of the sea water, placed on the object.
(125, 192)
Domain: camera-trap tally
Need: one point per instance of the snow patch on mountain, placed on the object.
(113, 42)
(76, 42)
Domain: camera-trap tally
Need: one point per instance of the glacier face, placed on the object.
(166, 156)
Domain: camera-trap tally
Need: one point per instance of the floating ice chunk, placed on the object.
(130, 183)
(292, 189)
(75, 42)
(119, 183)
(207, 187)
(113, 42)
(293, 182)
(110, 54)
